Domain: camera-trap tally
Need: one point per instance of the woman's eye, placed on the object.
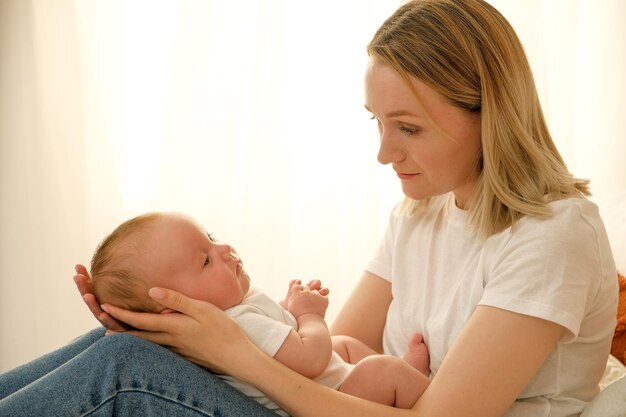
(409, 131)
(211, 238)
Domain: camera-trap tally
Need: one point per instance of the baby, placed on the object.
(173, 251)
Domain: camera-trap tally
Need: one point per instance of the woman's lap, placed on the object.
(119, 375)
(21, 376)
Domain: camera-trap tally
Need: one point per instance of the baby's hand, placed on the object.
(283, 303)
(303, 300)
(314, 285)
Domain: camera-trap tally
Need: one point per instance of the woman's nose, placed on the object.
(389, 150)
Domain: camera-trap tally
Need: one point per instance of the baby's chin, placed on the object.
(246, 282)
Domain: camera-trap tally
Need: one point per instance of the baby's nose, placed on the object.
(228, 253)
(233, 255)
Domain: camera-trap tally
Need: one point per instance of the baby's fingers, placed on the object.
(314, 284)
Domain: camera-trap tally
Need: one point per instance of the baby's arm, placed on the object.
(307, 350)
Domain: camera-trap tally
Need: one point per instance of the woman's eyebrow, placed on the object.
(396, 113)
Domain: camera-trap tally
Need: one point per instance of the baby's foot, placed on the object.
(417, 355)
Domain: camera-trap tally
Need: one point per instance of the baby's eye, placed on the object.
(206, 260)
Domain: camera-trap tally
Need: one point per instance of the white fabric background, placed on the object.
(247, 115)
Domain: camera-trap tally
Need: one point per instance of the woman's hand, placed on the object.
(196, 330)
(84, 288)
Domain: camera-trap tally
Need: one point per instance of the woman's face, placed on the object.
(431, 156)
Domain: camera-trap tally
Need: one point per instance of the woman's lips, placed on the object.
(406, 176)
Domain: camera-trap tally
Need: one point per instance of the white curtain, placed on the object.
(247, 115)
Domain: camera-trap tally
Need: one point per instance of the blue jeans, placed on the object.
(119, 375)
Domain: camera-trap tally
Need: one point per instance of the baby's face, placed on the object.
(183, 257)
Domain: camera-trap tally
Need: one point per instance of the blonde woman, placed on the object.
(495, 255)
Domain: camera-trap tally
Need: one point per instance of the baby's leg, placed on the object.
(350, 349)
(417, 355)
(386, 380)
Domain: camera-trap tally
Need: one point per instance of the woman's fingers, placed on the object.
(189, 307)
(176, 301)
(197, 330)
(81, 279)
(81, 270)
(143, 321)
(92, 305)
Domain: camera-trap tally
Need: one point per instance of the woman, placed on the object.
(495, 255)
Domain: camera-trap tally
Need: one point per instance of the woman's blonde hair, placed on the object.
(468, 52)
(116, 274)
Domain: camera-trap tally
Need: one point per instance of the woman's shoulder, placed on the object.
(575, 206)
(573, 233)
(568, 215)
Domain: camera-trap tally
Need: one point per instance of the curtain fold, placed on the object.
(248, 116)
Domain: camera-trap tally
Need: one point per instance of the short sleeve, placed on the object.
(265, 332)
(546, 268)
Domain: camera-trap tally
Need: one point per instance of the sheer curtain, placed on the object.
(248, 116)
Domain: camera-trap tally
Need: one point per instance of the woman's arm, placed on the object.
(493, 359)
(370, 299)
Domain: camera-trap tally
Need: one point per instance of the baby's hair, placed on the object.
(116, 274)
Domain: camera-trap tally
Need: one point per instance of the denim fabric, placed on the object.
(119, 375)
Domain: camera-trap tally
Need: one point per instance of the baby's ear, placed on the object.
(167, 311)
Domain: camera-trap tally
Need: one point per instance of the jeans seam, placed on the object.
(163, 397)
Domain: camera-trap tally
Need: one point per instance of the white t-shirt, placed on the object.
(267, 325)
(558, 269)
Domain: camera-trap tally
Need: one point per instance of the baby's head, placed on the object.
(167, 250)
(117, 271)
